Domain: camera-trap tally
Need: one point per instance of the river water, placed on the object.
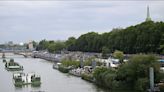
(52, 80)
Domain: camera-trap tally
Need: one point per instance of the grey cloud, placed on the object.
(23, 21)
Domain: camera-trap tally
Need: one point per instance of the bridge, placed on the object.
(25, 53)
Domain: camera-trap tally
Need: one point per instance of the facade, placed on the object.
(30, 45)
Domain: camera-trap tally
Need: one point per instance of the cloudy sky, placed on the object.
(21, 21)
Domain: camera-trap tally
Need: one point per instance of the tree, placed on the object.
(119, 55)
(134, 73)
(59, 45)
(98, 74)
(105, 77)
(70, 44)
(51, 48)
(90, 42)
(34, 44)
(43, 45)
(105, 52)
(161, 46)
(146, 37)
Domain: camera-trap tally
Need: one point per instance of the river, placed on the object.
(52, 80)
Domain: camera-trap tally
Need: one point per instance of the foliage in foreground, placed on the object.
(134, 74)
(88, 77)
(105, 77)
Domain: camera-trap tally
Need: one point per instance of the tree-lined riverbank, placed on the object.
(130, 75)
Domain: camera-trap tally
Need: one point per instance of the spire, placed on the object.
(148, 15)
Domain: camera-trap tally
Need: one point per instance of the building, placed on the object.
(148, 14)
(30, 45)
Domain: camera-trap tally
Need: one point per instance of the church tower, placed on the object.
(148, 15)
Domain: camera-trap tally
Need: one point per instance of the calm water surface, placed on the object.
(52, 80)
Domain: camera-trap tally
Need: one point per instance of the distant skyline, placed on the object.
(22, 21)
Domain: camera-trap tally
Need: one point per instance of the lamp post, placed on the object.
(151, 78)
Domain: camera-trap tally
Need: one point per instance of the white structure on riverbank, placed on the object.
(109, 62)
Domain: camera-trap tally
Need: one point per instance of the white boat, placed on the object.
(23, 79)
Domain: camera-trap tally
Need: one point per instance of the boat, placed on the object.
(56, 65)
(13, 66)
(65, 69)
(21, 79)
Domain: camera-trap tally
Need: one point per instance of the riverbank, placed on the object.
(64, 55)
(114, 77)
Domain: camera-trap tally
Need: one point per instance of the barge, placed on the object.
(21, 79)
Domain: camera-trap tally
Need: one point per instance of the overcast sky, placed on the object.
(21, 21)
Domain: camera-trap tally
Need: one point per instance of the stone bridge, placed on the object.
(10, 53)
(25, 54)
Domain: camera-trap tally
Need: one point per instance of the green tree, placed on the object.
(105, 52)
(90, 42)
(135, 72)
(70, 44)
(51, 48)
(146, 37)
(67, 63)
(161, 46)
(98, 75)
(119, 55)
(105, 77)
(34, 44)
(59, 45)
(43, 45)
